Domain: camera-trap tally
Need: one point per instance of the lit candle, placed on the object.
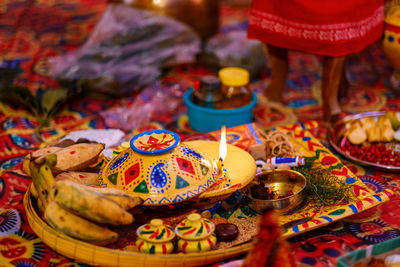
(222, 149)
(159, 3)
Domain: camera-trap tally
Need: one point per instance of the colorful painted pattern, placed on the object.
(155, 142)
(195, 234)
(155, 238)
(160, 179)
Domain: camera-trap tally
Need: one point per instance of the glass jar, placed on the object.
(209, 93)
(235, 88)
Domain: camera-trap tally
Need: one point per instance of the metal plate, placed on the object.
(336, 135)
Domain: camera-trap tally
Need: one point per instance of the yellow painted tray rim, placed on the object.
(100, 256)
(248, 163)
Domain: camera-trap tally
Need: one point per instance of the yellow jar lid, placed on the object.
(194, 227)
(234, 76)
(156, 232)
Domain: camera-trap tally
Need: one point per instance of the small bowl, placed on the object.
(204, 119)
(286, 183)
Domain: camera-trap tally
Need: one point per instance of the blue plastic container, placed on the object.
(204, 119)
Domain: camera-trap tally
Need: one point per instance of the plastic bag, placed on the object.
(234, 49)
(127, 50)
(157, 102)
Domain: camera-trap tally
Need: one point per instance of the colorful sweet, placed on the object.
(155, 238)
(367, 122)
(160, 170)
(394, 118)
(226, 232)
(373, 134)
(195, 234)
(356, 134)
(386, 130)
(370, 129)
(277, 144)
(247, 230)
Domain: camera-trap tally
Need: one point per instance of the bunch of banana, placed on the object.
(80, 212)
(80, 199)
(70, 202)
(42, 178)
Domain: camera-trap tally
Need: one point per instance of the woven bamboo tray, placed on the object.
(99, 256)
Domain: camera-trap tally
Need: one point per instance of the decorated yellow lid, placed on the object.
(194, 227)
(234, 76)
(156, 232)
(159, 169)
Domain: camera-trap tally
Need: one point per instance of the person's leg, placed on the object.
(331, 75)
(278, 58)
(344, 83)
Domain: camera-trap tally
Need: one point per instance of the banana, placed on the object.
(89, 204)
(33, 191)
(125, 200)
(40, 205)
(35, 194)
(86, 178)
(77, 227)
(25, 165)
(43, 178)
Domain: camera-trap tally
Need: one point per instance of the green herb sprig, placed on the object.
(324, 188)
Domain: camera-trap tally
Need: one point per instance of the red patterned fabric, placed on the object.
(329, 27)
(31, 32)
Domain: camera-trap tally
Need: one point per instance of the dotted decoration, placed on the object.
(191, 153)
(157, 178)
(126, 171)
(118, 161)
(182, 173)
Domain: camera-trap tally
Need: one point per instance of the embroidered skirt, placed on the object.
(324, 27)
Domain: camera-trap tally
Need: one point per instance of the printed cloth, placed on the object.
(19, 246)
(32, 31)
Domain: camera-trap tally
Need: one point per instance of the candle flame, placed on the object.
(222, 144)
(159, 3)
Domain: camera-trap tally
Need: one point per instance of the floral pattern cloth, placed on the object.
(19, 246)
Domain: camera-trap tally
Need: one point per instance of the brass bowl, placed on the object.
(287, 184)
